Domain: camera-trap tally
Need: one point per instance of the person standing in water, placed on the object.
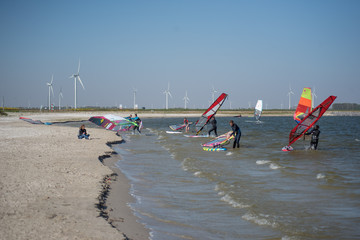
(186, 122)
(137, 120)
(82, 133)
(213, 123)
(236, 132)
(315, 132)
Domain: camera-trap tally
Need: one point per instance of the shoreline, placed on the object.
(51, 182)
(119, 214)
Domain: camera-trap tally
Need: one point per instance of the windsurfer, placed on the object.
(82, 133)
(213, 123)
(315, 132)
(186, 122)
(137, 120)
(236, 132)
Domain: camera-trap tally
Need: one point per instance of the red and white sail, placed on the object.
(211, 111)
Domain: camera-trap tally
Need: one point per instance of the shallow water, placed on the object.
(255, 192)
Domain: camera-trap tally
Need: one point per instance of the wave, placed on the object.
(228, 199)
(261, 162)
(320, 176)
(229, 153)
(258, 220)
(275, 166)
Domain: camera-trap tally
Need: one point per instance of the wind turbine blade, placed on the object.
(52, 90)
(170, 94)
(52, 79)
(79, 66)
(71, 76)
(81, 82)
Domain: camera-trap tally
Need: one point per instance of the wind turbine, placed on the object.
(50, 85)
(77, 77)
(186, 99)
(134, 91)
(289, 94)
(60, 97)
(167, 94)
(213, 91)
(313, 98)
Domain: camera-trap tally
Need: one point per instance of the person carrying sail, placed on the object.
(236, 132)
(186, 122)
(213, 123)
(315, 132)
(137, 120)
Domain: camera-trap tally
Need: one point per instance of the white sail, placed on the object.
(258, 109)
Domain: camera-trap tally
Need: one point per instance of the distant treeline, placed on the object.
(346, 106)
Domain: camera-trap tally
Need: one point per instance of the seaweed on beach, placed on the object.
(101, 205)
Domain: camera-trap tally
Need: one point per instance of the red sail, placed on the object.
(310, 120)
(211, 111)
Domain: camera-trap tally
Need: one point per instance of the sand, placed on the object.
(50, 183)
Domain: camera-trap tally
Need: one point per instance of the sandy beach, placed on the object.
(50, 183)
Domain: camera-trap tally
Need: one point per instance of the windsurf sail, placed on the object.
(219, 141)
(211, 111)
(258, 109)
(304, 106)
(29, 120)
(309, 120)
(113, 122)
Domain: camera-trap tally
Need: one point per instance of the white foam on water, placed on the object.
(258, 220)
(221, 193)
(197, 174)
(288, 238)
(358, 140)
(274, 166)
(320, 176)
(183, 164)
(261, 162)
(228, 199)
(229, 153)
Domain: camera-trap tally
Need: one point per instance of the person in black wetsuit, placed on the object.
(236, 132)
(213, 123)
(315, 132)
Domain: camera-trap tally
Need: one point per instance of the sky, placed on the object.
(248, 49)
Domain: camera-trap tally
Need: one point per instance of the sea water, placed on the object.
(255, 192)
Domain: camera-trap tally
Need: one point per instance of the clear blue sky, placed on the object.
(248, 49)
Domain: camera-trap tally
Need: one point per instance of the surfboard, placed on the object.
(196, 136)
(211, 149)
(173, 132)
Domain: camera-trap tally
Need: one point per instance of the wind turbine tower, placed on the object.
(50, 85)
(186, 99)
(134, 91)
(313, 98)
(60, 97)
(289, 94)
(167, 94)
(77, 78)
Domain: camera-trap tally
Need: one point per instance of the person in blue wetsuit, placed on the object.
(315, 132)
(137, 120)
(236, 132)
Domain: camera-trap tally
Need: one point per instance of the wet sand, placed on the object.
(50, 183)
